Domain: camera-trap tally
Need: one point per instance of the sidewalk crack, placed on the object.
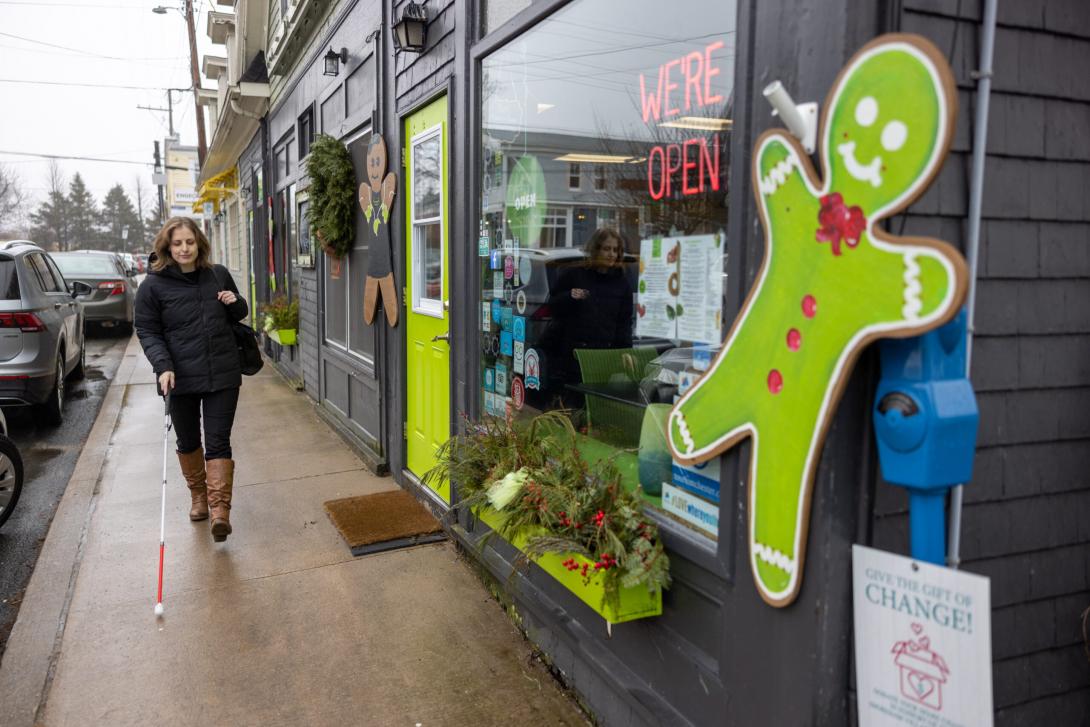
(303, 477)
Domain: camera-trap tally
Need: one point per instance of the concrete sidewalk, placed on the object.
(280, 625)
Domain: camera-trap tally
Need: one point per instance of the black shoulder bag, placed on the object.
(249, 354)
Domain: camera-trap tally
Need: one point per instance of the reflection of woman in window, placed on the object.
(592, 303)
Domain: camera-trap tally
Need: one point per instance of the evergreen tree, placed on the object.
(51, 221)
(82, 214)
(120, 224)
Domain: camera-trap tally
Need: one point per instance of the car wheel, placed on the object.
(81, 366)
(52, 411)
(11, 477)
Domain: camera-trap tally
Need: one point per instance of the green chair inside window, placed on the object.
(613, 421)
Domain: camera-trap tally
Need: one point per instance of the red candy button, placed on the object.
(809, 306)
(794, 339)
(775, 381)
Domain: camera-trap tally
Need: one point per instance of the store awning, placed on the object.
(239, 119)
(216, 189)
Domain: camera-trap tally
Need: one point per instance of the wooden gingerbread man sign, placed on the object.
(833, 280)
(377, 199)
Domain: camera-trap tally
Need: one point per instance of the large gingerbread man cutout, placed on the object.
(832, 280)
(377, 199)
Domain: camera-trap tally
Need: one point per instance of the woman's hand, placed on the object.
(226, 297)
(166, 381)
(580, 293)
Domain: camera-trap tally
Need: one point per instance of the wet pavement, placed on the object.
(49, 456)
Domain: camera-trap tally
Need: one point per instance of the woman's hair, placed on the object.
(162, 244)
(593, 246)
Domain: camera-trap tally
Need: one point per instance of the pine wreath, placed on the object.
(332, 194)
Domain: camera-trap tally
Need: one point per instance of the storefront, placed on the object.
(574, 229)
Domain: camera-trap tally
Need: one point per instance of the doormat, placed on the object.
(383, 521)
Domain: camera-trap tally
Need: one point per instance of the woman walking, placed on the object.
(184, 312)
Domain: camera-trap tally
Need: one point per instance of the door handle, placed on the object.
(441, 337)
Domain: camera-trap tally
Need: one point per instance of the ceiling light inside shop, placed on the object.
(543, 107)
(594, 158)
(701, 123)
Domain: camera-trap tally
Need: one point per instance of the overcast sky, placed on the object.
(47, 42)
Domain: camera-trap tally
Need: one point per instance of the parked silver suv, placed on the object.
(41, 330)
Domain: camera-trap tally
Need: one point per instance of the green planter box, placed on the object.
(283, 336)
(633, 603)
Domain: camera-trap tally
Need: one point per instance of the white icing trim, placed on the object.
(869, 172)
(778, 175)
(683, 429)
(774, 557)
(913, 305)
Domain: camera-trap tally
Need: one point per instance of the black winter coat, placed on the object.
(602, 320)
(184, 328)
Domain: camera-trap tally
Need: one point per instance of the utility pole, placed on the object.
(202, 145)
(159, 179)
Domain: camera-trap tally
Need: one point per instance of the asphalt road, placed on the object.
(49, 456)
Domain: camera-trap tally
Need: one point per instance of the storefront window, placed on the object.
(602, 249)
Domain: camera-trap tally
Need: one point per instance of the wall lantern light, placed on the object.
(333, 60)
(411, 29)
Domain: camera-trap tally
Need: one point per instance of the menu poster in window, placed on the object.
(654, 304)
(681, 288)
(699, 308)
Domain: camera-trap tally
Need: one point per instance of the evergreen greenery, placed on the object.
(537, 475)
(332, 194)
(82, 214)
(121, 226)
(281, 314)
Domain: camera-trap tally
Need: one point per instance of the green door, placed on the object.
(427, 358)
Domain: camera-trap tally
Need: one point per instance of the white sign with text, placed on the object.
(923, 654)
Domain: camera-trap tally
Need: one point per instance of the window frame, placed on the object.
(427, 306)
(304, 140)
(575, 172)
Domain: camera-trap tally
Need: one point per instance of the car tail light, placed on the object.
(116, 287)
(26, 322)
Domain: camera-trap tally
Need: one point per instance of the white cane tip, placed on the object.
(158, 609)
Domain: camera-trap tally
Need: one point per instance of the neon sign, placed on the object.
(684, 83)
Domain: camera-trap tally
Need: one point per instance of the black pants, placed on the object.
(219, 415)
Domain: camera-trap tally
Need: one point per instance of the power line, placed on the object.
(83, 85)
(86, 159)
(51, 52)
(68, 5)
(86, 52)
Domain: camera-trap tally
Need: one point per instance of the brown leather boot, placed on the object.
(193, 470)
(221, 476)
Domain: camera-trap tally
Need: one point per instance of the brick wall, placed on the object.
(1026, 520)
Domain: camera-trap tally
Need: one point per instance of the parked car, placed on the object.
(129, 261)
(113, 293)
(41, 330)
(11, 472)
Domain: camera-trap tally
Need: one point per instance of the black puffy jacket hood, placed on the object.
(183, 327)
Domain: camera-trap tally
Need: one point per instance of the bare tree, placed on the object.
(13, 200)
(138, 238)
